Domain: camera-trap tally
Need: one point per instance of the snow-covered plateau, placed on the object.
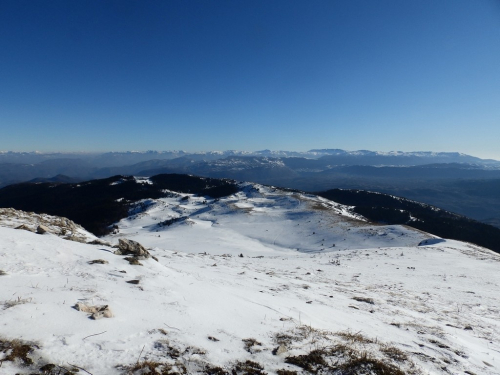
(265, 281)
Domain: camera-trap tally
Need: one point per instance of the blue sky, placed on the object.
(249, 75)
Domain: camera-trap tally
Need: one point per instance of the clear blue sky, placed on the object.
(249, 75)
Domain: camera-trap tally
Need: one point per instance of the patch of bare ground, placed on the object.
(156, 368)
(343, 352)
(22, 354)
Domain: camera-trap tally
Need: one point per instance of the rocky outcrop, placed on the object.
(129, 247)
(43, 223)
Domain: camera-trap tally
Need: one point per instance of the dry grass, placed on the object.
(21, 353)
(98, 261)
(366, 365)
(17, 351)
(354, 337)
(156, 368)
(364, 299)
(343, 352)
(214, 370)
(250, 345)
(343, 359)
(14, 302)
(394, 353)
(313, 362)
(248, 368)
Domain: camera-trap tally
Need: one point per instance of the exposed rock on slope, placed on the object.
(42, 223)
(129, 247)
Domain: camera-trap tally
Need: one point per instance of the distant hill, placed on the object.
(388, 209)
(97, 204)
(58, 178)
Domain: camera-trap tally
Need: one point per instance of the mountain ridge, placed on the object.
(98, 204)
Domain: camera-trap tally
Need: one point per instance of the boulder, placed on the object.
(104, 312)
(97, 312)
(280, 350)
(41, 229)
(129, 247)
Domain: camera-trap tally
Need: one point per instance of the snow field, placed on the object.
(437, 303)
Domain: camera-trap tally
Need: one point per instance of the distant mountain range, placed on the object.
(24, 166)
(453, 181)
(338, 156)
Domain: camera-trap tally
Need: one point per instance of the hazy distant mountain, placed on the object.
(58, 178)
(409, 158)
(333, 156)
(16, 172)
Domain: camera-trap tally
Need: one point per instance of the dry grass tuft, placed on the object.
(313, 362)
(98, 261)
(156, 368)
(214, 370)
(344, 352)
(250, 345)
(366, 365)
(344, 360)
(364, 299)
(248, 368)
(15, 302)
(17, 351)
(394, 353)
(354, 337)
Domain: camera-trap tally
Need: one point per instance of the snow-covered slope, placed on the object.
(203, 308)
(258, 220)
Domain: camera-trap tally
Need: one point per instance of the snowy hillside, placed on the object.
(263, 281)
(258, 220)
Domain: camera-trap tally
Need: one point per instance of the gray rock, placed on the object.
(280, 350)
(104, 312)
(97, 312)
(129, 247)
(41, 229)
